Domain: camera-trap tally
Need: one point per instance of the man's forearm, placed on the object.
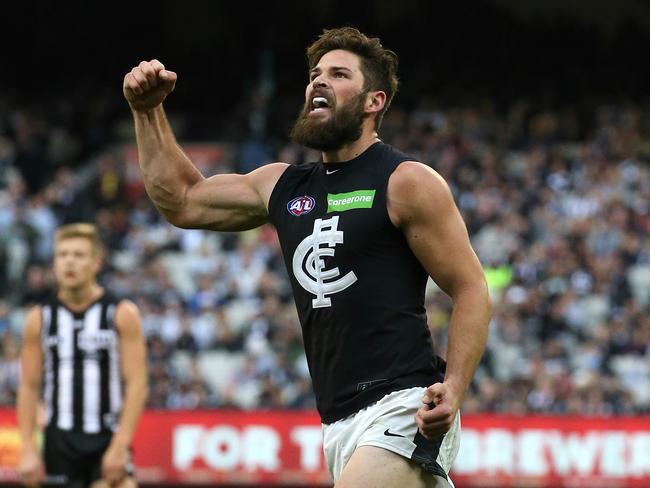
(135, 398)
(26, 411)
(467, 335)
(166, 170)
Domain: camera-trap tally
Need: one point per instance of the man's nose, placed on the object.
(319, 82)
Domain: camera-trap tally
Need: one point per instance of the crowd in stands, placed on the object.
(557, 204)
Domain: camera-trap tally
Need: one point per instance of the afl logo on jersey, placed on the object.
(301, 205)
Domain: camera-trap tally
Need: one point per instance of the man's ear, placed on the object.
(99, 262)
(375, 102)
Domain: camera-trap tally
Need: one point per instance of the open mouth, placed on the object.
(319, 104)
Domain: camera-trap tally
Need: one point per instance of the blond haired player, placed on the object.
(84, 351)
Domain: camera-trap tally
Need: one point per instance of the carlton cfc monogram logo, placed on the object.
(309, 267)
(301, 205)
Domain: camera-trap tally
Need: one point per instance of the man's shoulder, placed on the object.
(395, 155)
(33, 321)
(303, 166)
(295, 171)
(411, 174)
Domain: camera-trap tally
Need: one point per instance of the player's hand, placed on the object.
(147, 85)
(439, 408)
(30, 468)
(114, 463)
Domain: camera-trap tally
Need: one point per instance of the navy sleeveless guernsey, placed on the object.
(358, 287)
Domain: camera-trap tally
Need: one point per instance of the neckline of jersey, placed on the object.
(337, 165)
(84, 310)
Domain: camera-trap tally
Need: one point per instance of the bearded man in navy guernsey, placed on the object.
(361, 231)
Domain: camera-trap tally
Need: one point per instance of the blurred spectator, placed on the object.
(37, 285)
(9, 368)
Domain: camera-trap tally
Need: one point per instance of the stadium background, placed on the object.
(535, 112)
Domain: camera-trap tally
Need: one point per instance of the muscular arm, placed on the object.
(421, 205)
(177, 188)
(29, 389)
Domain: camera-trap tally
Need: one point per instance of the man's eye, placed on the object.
(340, 74)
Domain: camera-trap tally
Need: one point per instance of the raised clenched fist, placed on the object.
(147, 85)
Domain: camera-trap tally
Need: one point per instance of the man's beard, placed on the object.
(343, 127)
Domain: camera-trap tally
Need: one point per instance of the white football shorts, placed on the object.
(390, 424)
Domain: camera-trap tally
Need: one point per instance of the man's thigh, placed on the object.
(390, 425)
(374, 467)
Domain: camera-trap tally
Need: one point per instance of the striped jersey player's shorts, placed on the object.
(74, 459)
(390, 424)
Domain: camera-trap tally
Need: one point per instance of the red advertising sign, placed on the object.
(283, 447)
(235, 447)
(511, 451)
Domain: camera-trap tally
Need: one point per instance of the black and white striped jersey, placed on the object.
(82, 377)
